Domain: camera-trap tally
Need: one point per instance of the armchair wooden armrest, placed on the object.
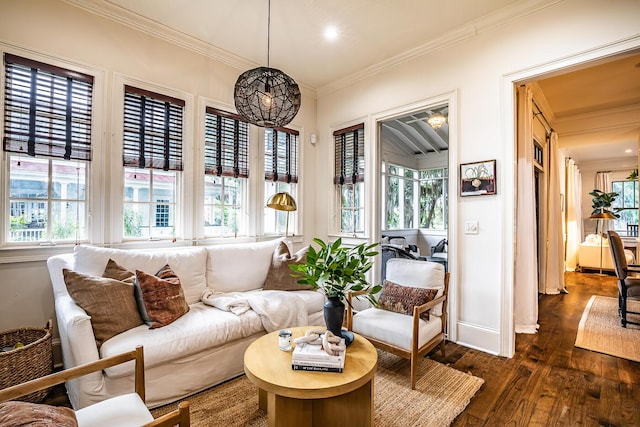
(179, 417)
(419, 309)
(350, 296)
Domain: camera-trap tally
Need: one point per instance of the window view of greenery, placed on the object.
(627, 202)
(149, 203)
(352, 210)
(46, 199)
(222, 206)
(415, 199)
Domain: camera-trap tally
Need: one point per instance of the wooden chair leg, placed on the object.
(414, 370)
(442, 349)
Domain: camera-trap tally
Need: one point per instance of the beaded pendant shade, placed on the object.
(266, 96)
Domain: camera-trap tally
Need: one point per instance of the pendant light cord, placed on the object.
(268, 32)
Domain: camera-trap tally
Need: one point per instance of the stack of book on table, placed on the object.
(312, 357)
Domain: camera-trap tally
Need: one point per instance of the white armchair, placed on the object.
(407, 335)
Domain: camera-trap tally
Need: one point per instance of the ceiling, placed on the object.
(595, 109)
(369, 31)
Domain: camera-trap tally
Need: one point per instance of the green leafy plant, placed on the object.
(602, 202)
(336, 270)
(633, 174)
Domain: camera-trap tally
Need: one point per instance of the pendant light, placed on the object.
(266, 96)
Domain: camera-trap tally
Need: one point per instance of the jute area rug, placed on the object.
(600, 329)
(441, 394)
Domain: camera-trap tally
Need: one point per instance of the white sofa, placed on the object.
(202, 348)
(589, 254)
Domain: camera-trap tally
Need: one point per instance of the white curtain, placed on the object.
(573, 223)
(603, 181)
(526, 265)
(553, 282)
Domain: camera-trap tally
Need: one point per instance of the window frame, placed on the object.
(274, 222)
(621, 208)
(356, 179)
(75, 150)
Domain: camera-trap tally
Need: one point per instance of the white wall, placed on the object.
(478, 69)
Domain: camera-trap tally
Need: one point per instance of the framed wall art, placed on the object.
(478, 179)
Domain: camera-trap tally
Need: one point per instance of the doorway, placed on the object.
(414, 184)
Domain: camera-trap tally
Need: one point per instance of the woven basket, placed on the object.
(32, 361)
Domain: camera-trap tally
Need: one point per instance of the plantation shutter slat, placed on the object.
(349, 155)
(226, 144)
(47, 110)
(281, 155)
(152, 136)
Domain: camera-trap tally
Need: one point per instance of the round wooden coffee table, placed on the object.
(302, 398)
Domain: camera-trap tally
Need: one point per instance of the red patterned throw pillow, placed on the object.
(402, 299)
(162, 296)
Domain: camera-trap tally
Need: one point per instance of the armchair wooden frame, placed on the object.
(416, 352)
(180, 416)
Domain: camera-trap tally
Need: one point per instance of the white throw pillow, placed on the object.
(189, 264)
(239, 267)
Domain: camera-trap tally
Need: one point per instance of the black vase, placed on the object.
(334, 315)
(333, 318)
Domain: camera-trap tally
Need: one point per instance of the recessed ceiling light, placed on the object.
(331, 33)
(628, 150)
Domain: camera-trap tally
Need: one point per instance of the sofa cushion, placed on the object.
(394, 328)
(402, 299)
(109, 302)
(162, 297)
(280, 277)
(23, 414)
(239, 267)
(201, 329)
(189, 264)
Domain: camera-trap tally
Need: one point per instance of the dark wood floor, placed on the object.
(550, 382)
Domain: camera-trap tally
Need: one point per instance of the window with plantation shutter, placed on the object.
(349, 155)
(281, 155)
(349, 178)
(226, 144)
(152, 130)
(47, 110)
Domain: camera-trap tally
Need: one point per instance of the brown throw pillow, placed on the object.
(162, 296)
(109, 302)
(23, 414)
(402, 299)
(280, 276)
(113, 270)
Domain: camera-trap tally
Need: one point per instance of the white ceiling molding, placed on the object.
(485, 23)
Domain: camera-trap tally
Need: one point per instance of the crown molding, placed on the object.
(137, 22)
(465, 32)
(488, 22)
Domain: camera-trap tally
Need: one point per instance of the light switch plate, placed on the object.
(471, 227)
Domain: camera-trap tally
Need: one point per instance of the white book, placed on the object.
(306, 351)
(318, 363)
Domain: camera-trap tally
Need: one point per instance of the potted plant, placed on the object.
(336, 270)
(602, 209)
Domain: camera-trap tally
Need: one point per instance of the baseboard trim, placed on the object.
(478, 338)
